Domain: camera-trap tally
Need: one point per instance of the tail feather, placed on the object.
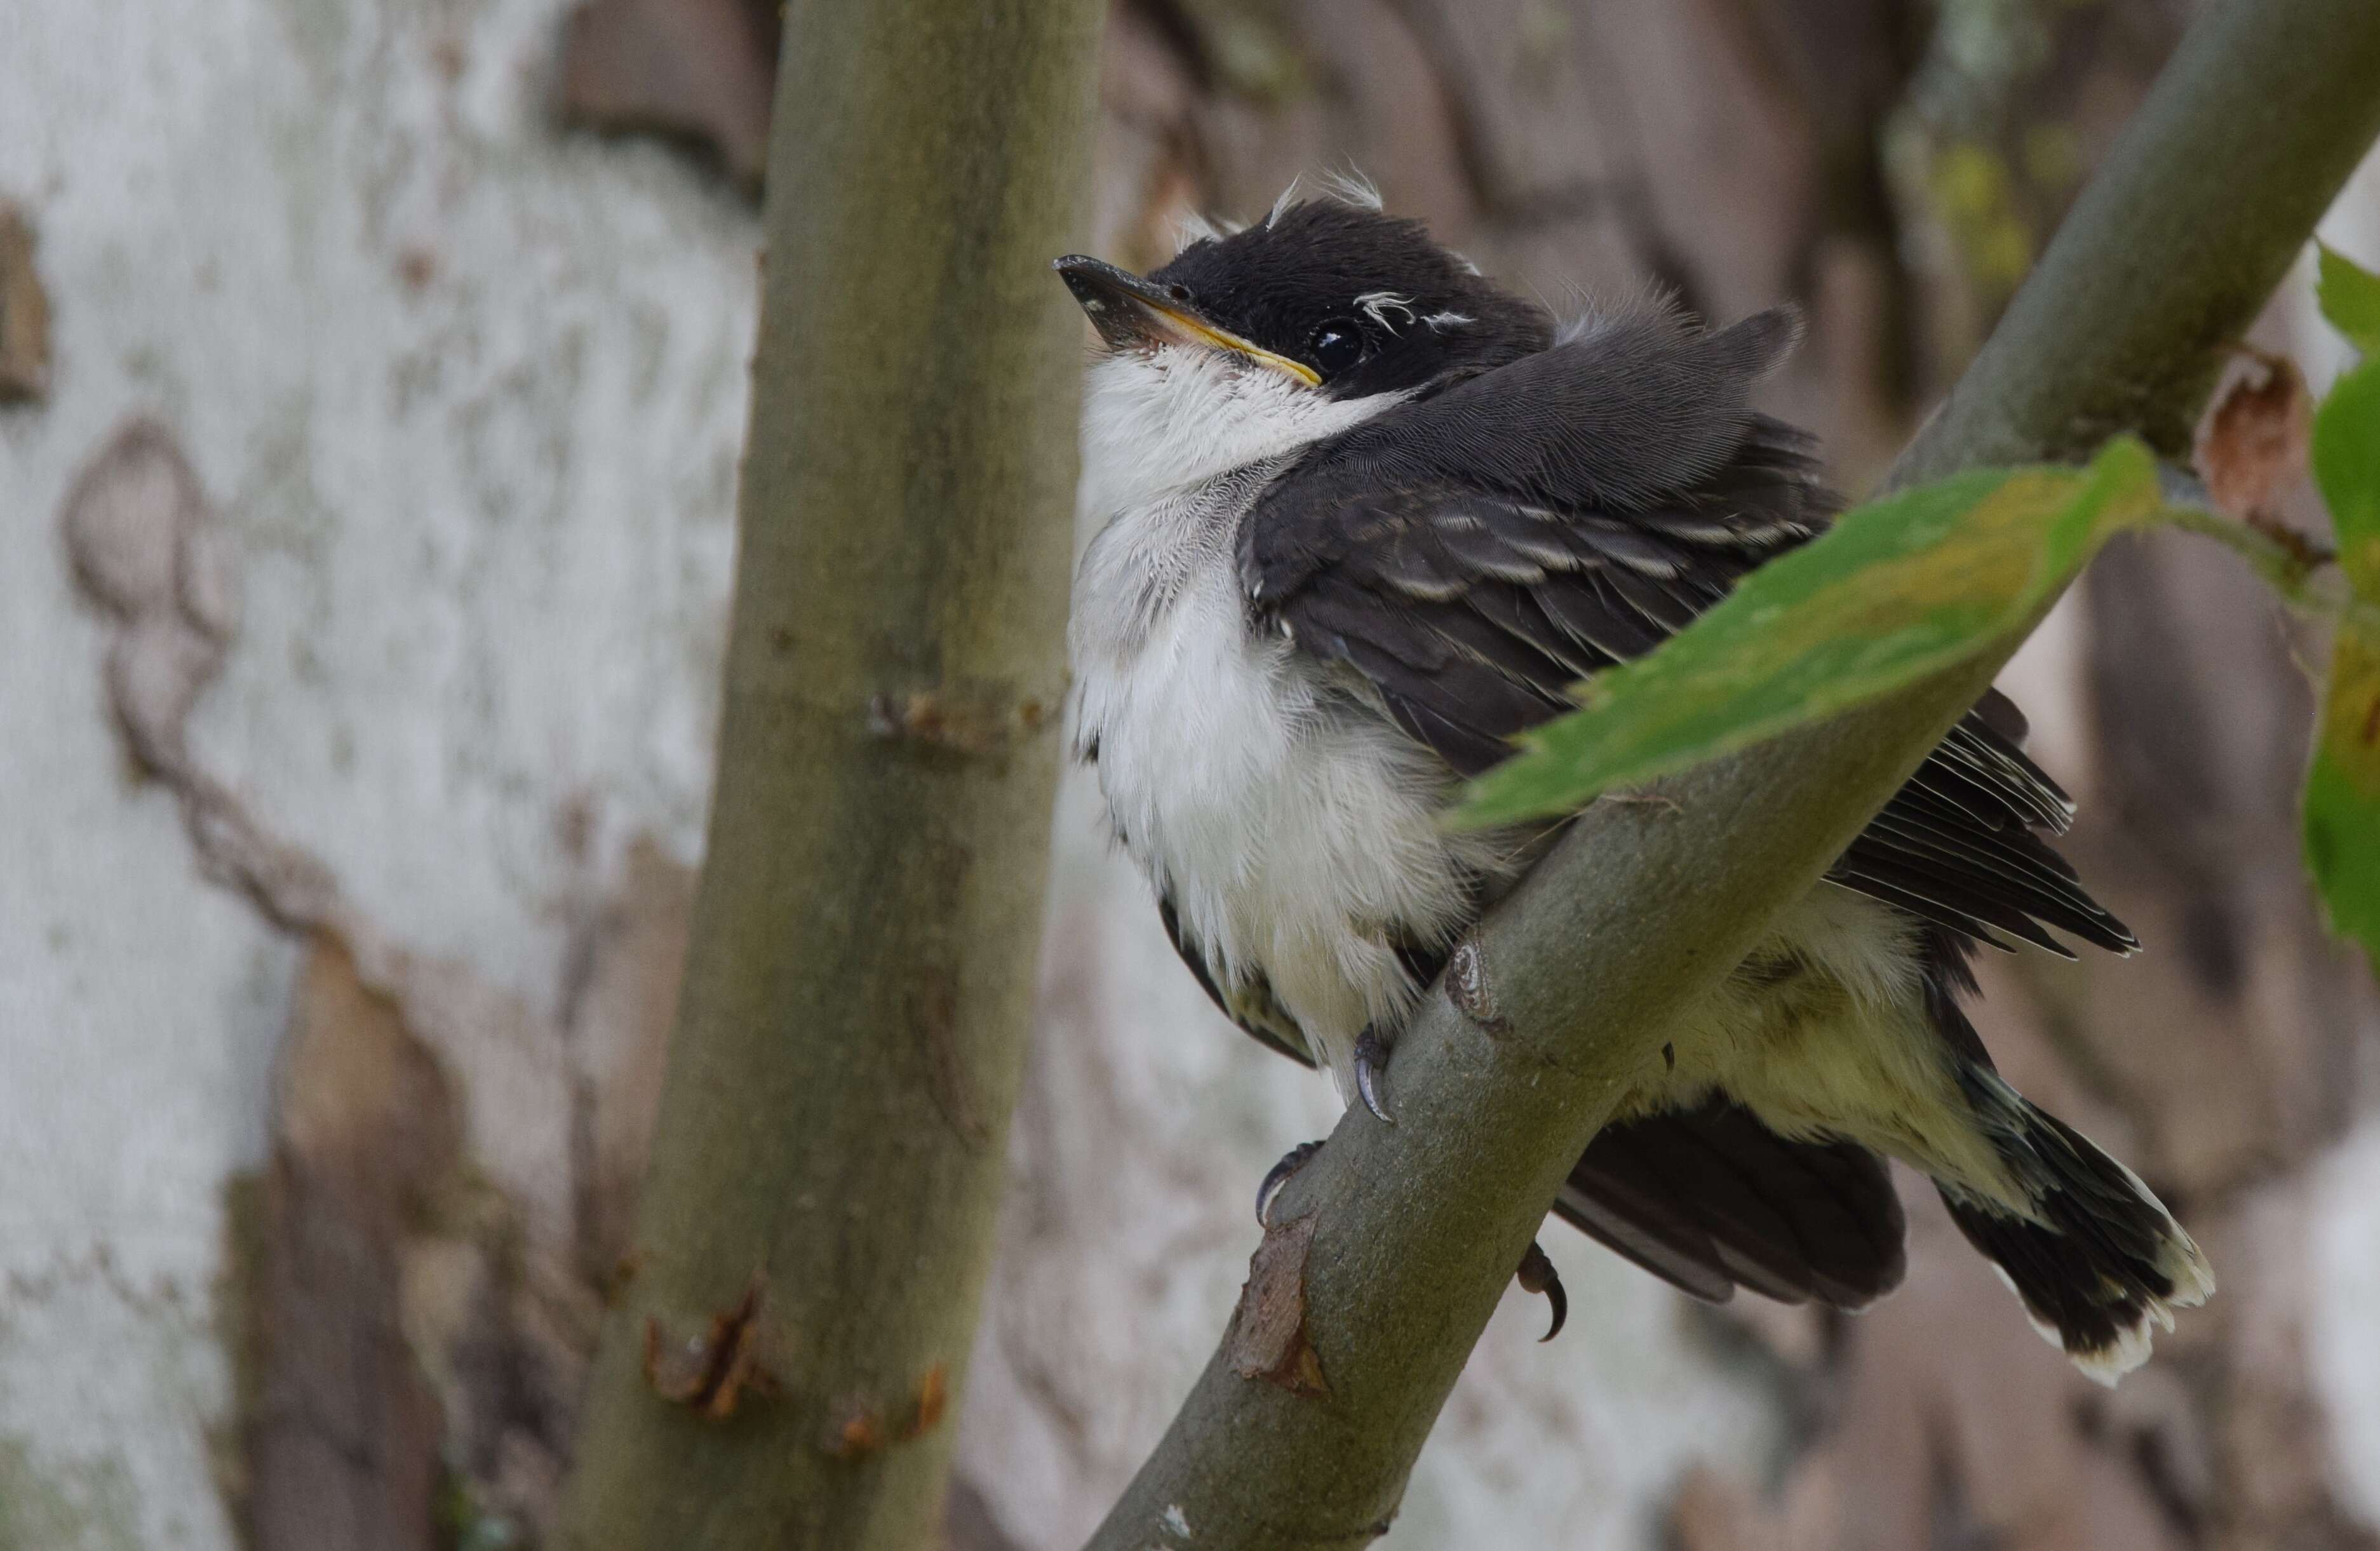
(1709, 1199)
(2095, 1257)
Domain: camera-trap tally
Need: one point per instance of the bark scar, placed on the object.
(931, 1401)
(858, 1429)
(934, 1011)
(1467, 987)
(1268, 1339)
(855, 1434)
(24, 313)
(710, 1373)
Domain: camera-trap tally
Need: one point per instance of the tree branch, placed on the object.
(816, 1224)
(1566, 989)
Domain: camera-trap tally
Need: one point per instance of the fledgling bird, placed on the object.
(1363, 516)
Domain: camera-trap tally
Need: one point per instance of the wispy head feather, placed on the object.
(1193, 226)
(1350, 187)
(1289, 197)
(1198, 226)
(1340, 186)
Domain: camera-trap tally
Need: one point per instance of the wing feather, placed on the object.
(1709, 1199)
(1475, 554)
(1473, 582)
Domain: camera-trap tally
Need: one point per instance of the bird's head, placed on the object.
(1252, 344)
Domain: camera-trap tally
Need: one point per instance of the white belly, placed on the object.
(1293, 829)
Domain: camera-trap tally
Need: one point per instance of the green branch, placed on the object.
(2308, 581)
(816, 1224)
(1396, 1244)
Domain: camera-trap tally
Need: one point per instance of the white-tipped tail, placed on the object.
(2097, 1260)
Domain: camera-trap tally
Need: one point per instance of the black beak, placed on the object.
(1128, 311)
(1133, 314)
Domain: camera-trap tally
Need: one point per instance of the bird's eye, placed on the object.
(1338, 343)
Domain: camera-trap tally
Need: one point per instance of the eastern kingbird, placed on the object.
(1363, 516)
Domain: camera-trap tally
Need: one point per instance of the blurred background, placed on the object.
(372, 374)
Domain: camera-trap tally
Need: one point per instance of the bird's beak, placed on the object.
(1132, 314)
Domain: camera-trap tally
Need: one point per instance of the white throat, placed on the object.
(1169, 420)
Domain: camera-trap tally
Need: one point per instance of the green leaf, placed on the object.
(1897, 589)
(2346, 466)
(2342, 794)
(2350, 294)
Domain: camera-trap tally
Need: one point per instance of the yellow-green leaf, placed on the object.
(2342, 795)
(2350, 294)
(1897, 589)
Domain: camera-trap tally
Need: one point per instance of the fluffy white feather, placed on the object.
(1391, 311)
(1350, 187)
(1280, 818)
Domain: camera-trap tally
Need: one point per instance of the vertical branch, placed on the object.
(815, 1225)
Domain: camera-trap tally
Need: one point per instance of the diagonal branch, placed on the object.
(1565, 990)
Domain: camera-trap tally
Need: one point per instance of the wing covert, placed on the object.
(1471, 568)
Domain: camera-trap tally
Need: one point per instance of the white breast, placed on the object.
(1292, 826)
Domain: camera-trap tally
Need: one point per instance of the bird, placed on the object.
(1361, 516)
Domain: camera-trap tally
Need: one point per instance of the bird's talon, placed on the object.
(1537, 1275)
(1280, 1174)
(1371, 1070)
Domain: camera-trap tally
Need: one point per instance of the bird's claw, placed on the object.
(1537, 1275)
(1371, 1072)
(1282, 1173)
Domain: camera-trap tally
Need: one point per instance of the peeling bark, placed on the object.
(24, 313)
(1267, 1340)
(347, 1437)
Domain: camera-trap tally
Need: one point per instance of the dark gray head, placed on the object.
(1339, 296)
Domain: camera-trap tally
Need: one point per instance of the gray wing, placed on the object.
(1473, 584)
(1472, 556)
(1709, 1198)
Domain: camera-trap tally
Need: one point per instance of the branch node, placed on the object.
(973, 720)
(857, 1429)
(709, 1372)
(1468, 988)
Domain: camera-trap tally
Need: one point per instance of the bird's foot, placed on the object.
(1372, 1072)
(1537, 1275)
(1281, 1173)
